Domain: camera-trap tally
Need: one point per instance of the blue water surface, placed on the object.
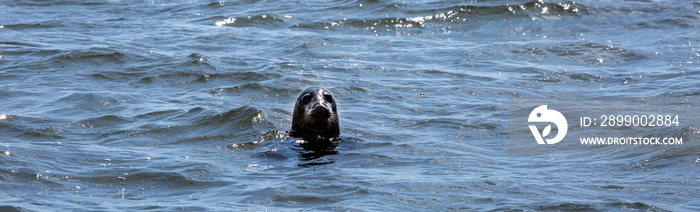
(126, 105)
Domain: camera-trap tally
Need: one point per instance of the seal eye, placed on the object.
(328, 98)
(306, 99)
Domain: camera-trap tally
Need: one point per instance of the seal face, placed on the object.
(315, 117)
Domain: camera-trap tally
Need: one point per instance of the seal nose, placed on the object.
(320, 110)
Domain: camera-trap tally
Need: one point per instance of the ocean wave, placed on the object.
(476, 12)
(449, 16)
(34, 25)
(19, 44)
(10, 208)
(249, 21)
(369, 25)
(195, 68)
(153, 179)
(175, 78)
(30, 127)
(609, 205)
(59, 3)
(81, 102)
(196, 125)
(103, 121)
(251, 86)
(95, 56)
(594, 53)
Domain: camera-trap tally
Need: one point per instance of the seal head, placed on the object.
(315, 117)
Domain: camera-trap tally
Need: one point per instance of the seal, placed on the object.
(315, 119)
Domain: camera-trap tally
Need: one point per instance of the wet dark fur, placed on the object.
(315, 119)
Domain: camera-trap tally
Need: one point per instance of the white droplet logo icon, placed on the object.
(542, 114)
